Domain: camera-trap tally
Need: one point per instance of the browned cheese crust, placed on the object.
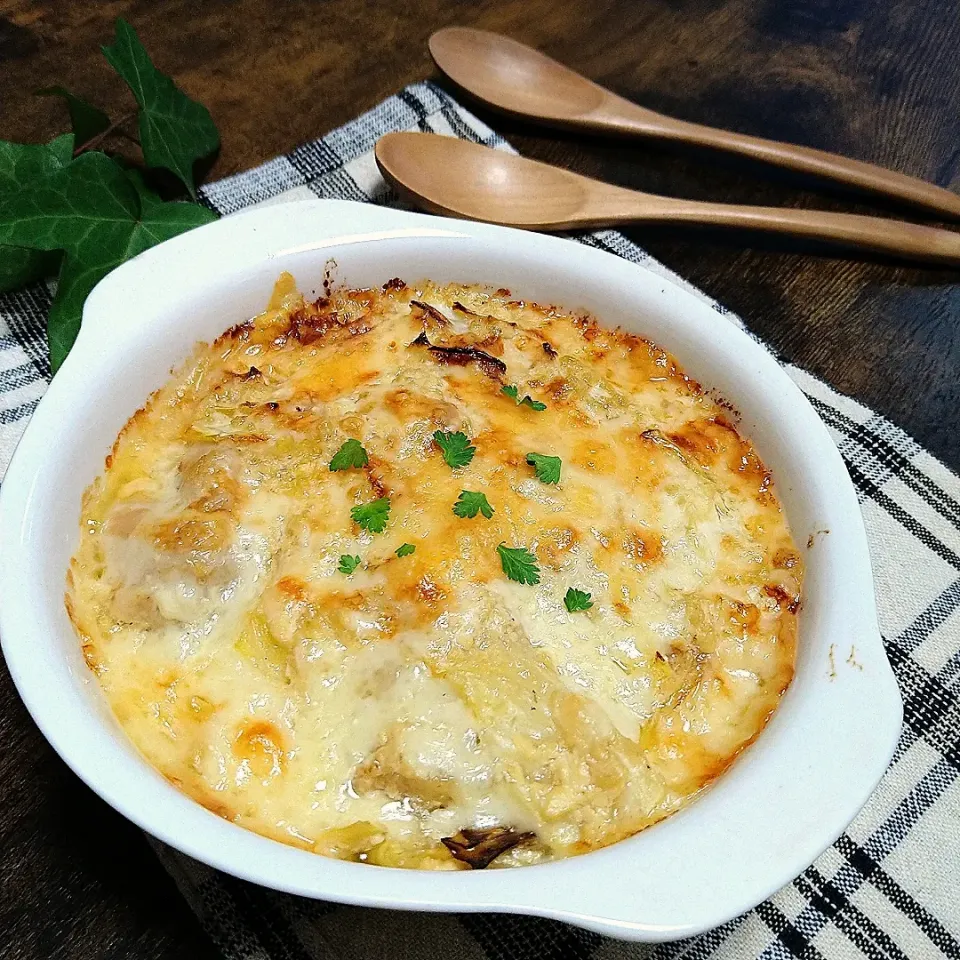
(426, 710)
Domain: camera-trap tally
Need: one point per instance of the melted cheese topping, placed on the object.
(427, 711)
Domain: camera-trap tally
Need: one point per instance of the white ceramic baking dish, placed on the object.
(780, 805)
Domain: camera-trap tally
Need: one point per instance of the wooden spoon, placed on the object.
(522, 81)
(450, 176)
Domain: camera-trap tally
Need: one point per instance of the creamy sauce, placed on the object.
(374, 715)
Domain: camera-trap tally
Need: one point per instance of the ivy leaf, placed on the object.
(350, 455)
(99, 215)
(86, 119)
(469, 504)
(148, 199)
(575, 600)
(405, 549)
(456, 448)
(76, 280)
(372, 516)
(175, 131)
(519, 564)
(547, 468)
(22, 165)
(20, 266)
(348, 564)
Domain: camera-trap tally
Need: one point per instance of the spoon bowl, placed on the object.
(514, 77)
(459, 179)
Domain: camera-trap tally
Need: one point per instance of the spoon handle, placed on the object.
(894, 237)
(616, 115)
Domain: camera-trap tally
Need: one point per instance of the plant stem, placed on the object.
(113, 128)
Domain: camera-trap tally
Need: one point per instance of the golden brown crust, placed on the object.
(426, 710)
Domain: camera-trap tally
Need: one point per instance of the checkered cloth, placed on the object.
(888, 888)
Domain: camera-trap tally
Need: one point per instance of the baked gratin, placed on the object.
(427, 576)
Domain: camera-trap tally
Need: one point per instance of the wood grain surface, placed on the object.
(875, 79)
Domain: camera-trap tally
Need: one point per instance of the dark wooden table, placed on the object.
(875, 79)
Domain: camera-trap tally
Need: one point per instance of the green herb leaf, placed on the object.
(469, 504)
(20, 266)
(405, 549)
(519, 564)
(372, 516)
(456, 448)
(350, 456)
(548, 468)
(512, 392)
(348, 564)
(175, 131)
(577, 600)
(21, 166)
(86, 119)
(99, 216)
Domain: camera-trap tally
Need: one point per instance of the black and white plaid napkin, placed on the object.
(888, 888)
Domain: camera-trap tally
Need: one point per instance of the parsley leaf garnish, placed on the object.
(456, 448)
(405, 549)
(469, 504)
(548, 468)
(577, 600)
(527, 401)
(372, 516)
(348, 564)
(519, 564)
(350, 455)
